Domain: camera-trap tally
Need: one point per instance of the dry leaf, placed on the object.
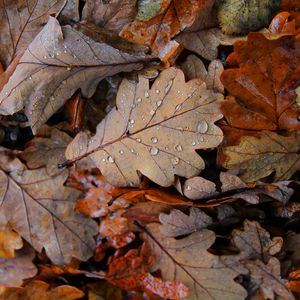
(259, 156)
(52, 69)
(178, 223)
(187, 261)
(111, 15)
(40, 208)
(9, 242)
(36, 290)
(20, 22)
(15, 270)
(163, 125)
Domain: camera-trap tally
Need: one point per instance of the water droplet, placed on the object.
(152, 112)
(146, 94)
(178, 148)
(157, 91)
(65, 46)
(175, 161)
(69, 68)
(6, 93)
(131, 121)
(201, 138)
(65, 51)
(57, 53)
(30, 77)
(188, 187)
(103, 159)
(139, 100)
(45, 57)
(202, 127)
(194, 143)
(121, 152)
(13, 90)
(154, 140)
(167, 88)
(138, 140)
(178, 107)
(167, 148)
(158, 103)
(154, 151)
(52, 98)
(157, 127)
(132, 105)
(131, 150)
(110, 159)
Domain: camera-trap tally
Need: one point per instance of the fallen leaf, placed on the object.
(283, 23)
(243, 16)
(51, 70)
(294, 283)
(36, 290)
(291, 245)
(70, 11)
(111, 15)
(21, 22)
(187, 261)
(172, 17)
(15, 270)
(178, 223)
(265, 91)
(164, 125)
(104, 291)
(260, 156)
(9, 242)
(40, 208)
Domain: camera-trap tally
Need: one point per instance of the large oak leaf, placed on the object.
(21, 21)
(40, 208)
(155, 131)
(59, 61)
(187, 261)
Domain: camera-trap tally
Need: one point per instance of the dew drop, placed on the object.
(65, 46)
(103, 159)
(188, 187)
(157, 91)
(202, 127)
(132, 151)
(110, 159)
(138, 140)
(139, 100)
(6, 93)
(131, 121)
(178, 107)
(69, 68)
(52, 98)
(175, 161)
(158, 103)
(132, 105)
(30, 77)
(178, 148)
(45, 57)
(65, 51)
(154, 151)
(166, 148)
(146, 94)
(154, 140)
(121, 152)
(152, 112)
(201, 138)
(167, 88)
(194, 143)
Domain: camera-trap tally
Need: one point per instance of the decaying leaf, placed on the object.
(238, 16)
(178, 223)
(259, 156)
(9, 242)
(15, 270)
(36, 290)
(52, 69)
(112, 15)
(40, 208)
(163, 125)
(21, 22)
(187, 261)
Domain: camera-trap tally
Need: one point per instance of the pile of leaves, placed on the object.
(149, 149)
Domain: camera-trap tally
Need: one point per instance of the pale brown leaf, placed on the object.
(163, 126)
(178, 223)
(9, 242)
(59, 61)
(197, 187)
(21, 21)
(40, 208)
(187, 261)
(15, 270)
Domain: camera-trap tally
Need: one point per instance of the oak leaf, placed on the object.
(21, 22)
(260, 156)
(187, 261)
(9, 242)
(178, 223)
(36, 290)
(163, 125)
(15, 270)
(52, 69)
(40, 208)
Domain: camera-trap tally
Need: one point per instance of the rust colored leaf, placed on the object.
(164, 125)
(21, 21)
(15, 270)
(9, 242)
(187, 261)
(263, 82)
(172, 17)
(282, 23)
(294, 283)
(259, 156)
(111, 15)
(52, 69)
(36, 290)
(40, 208)
(178, 223)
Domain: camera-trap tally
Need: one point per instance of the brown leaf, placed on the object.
(111, 15)
(169, 18)
(164, 125)
(52, 69)
(36, 290)
(178, 223)
(40, 208)
(187, 261)
(21, 21)
(9, 242)
(15, 270)
(259, 156)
